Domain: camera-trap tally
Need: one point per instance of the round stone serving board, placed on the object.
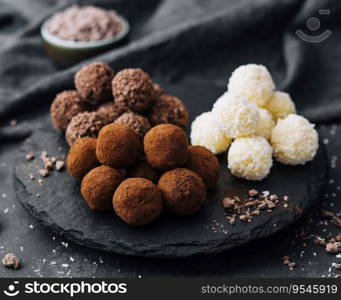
(58, 205)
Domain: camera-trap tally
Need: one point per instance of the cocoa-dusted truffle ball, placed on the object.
(143, 170)
(83, 124)
(99, 186)
(183, 191)
(137, 201)
(136, 122)
(82, 157)
(118, 146)
(166, 146)
(133, 88)
(110, 111)
(93, 82)
(203, 162)
(169, 109)
(64, 107)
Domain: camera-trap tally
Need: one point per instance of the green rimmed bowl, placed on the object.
(66, 53)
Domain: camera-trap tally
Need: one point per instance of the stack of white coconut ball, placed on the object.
(255, 122)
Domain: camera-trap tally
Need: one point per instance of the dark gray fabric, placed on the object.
(203, 39)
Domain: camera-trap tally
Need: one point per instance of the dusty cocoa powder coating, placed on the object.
(183, 191)
(166, 146)
(143, 170)
(82, 157)
(64, 107)
(118, 146)
(203, 162)
(133, 88)
(83, 124)
(110, 111)
(137, 201)
(99, 186)
(169, 109)
(93, 82)
(136, 122)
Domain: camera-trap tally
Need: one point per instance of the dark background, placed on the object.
(180, 31)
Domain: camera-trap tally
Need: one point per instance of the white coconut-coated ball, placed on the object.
(206, 132)
(266, 123)
(250, 158)
(236, 116)
(294, 140)
(220, 100)
(253, 82)
(280, 105)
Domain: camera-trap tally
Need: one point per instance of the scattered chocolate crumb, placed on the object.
(261, 206)
(333, 247)
(59, 165)
(245, 218)
(327, 214)
(32, 177)
(44, 172)
(336, 221)
(288, 262)
(253, 193)
(40, 181)
(231, 220)
(292, 265)
(251, 204)
(29, 156)
(273, 197)
(270, 204)
(10, 260)
(286, 198)
(13, 122)
(320, 242)
(336, 266)
(228, 202)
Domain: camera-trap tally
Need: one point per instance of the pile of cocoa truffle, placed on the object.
(139, 178)
(129, 148)
(102, 97)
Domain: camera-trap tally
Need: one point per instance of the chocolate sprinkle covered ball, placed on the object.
(203, 162)
(184, 192)
(136, 122)
(118, 146)
(110, 111)
(133, 88)
(64, 107)
(137, 201)
(166, 146)
(82, 157)
(93, 82)
(84, 124)
(99, 186)
(144, 170)
(169, 109)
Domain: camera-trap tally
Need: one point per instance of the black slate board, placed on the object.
(61, 208)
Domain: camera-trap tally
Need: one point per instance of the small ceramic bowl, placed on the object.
(66, 53)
